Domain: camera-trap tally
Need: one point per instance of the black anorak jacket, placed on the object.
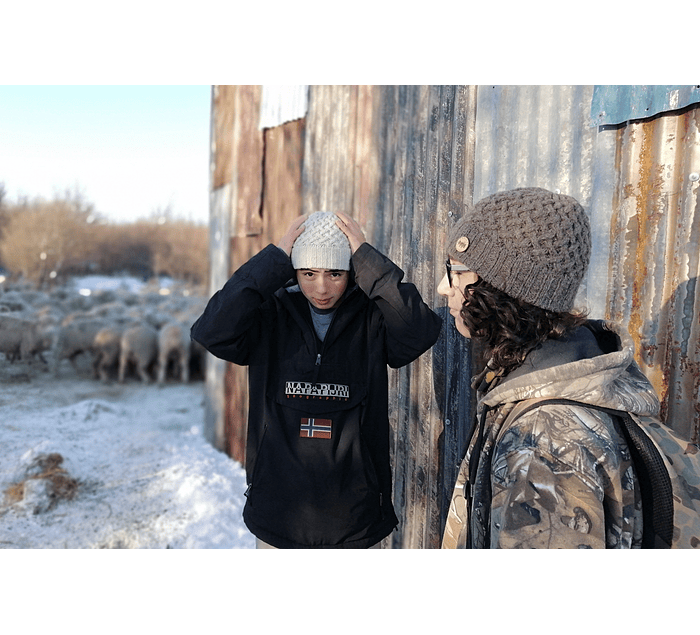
(317, 449)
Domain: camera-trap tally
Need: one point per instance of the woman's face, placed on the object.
(461, 277)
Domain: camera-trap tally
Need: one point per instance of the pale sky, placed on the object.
(129, 150)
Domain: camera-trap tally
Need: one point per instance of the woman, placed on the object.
(558, 476)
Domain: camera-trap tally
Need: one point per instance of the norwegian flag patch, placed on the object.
(316, 428)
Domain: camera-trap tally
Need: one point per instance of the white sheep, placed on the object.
(75, 336)
(19, 338)
(139, 345)
(173, 343)
(106, 347)
(13, 302)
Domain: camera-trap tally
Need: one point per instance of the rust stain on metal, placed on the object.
(640, 269)
(649, 212)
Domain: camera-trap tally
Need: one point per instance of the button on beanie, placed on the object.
(532, 244)
(322, 245)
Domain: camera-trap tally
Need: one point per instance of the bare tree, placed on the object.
(41, 237)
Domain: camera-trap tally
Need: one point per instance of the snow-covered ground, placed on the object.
(146, 477)
(90, 465)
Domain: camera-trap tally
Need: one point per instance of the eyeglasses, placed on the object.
(456, 268)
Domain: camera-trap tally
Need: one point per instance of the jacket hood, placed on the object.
(594, 365)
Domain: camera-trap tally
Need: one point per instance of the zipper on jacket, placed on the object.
(323, 343)
(317, 364)
(317, 367)
(257, 459)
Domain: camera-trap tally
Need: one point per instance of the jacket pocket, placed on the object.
(314, 480)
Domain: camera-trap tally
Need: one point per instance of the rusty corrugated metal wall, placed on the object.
(639, 183)
(255, 177)
(403, 159)
(540, 136)
(655, 257)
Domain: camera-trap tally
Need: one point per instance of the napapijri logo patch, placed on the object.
(316, 428)
(309, 390)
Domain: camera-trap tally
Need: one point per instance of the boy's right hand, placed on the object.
(294, 231)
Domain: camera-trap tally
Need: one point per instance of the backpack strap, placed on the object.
(653, 477)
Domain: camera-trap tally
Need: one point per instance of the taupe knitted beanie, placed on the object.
(322, 245)
(532, 244)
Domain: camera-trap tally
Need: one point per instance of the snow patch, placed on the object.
(147, 477)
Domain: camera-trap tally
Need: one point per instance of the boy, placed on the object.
(317, 450)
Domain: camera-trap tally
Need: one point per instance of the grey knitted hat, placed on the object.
(322, 245)
(532, 244)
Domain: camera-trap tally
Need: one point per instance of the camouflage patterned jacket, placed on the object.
(560, 476)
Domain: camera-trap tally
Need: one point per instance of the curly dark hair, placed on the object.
(510, 328)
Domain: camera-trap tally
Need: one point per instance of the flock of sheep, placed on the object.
(124, 333)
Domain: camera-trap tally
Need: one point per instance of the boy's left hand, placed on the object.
(351, 229)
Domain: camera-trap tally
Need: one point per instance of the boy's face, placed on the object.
(323, 287)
